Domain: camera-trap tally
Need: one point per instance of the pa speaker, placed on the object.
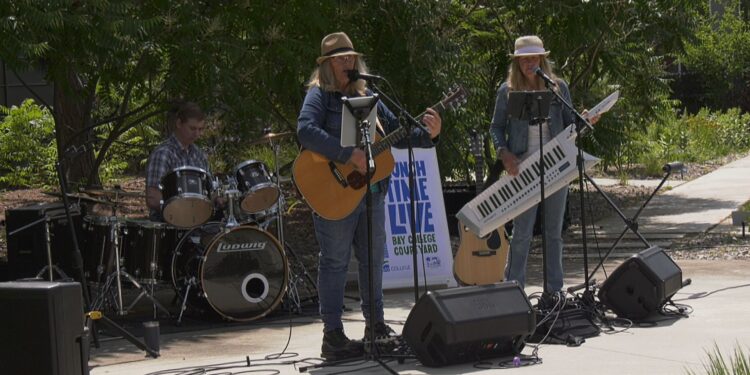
(469, 323)
(641, 284)
(41, 324)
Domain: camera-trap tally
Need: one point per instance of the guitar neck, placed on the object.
(400, 133)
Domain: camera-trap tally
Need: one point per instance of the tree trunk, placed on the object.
(72, 115)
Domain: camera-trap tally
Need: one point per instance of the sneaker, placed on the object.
(336, 346)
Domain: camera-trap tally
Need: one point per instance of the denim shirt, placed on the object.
(513, 134)
(319, 125)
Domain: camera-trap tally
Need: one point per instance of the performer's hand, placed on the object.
(510, 161)
(358, 160)
(593, 120)
(433, 121)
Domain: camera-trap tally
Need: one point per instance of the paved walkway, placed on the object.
(717, 296)
(695, 206)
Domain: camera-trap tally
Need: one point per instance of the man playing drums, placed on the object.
(177, 151)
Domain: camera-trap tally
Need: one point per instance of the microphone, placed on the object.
(538, 71)
(355, 75)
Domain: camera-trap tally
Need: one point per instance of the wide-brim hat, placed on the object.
(529, 45)
(336, 44)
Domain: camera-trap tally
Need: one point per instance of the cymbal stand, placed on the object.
(52, 268)
(294, 278)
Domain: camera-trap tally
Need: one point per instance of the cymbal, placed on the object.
(81, 197)
(113, 192)
(268, 137)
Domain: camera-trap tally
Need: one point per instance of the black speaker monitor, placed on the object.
(41, 324)
(641, 284)
(469, 323)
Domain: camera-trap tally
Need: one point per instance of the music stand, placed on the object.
(354, 111)
(533, 106)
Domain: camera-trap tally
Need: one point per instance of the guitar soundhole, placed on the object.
(356, 180)
(494, 241)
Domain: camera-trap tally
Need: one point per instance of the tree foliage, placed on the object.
(715, 59)
(118, 64)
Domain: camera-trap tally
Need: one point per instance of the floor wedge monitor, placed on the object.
(467, 324)
(641, 284)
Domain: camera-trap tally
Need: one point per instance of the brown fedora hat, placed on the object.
(336, 44)
(529, 45)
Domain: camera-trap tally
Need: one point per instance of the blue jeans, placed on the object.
(523, 229)
(336, 239)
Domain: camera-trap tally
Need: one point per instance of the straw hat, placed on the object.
(336, 44)
(529, 45)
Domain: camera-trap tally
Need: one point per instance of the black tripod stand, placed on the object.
(92, 317)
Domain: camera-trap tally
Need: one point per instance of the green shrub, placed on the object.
(27, 146)
(692, 138)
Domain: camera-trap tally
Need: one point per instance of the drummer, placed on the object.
(176, 151)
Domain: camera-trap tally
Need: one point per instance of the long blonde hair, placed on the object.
(517, 81)
(324, 78)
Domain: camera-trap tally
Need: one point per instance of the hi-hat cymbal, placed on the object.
(268, 137)
(113, 192)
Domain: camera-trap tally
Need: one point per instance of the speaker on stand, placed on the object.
(470, 323)
(642, 284)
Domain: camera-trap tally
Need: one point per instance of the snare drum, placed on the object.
(97, 251)
(240, 273)
(147, 249)
(185, 197)
(258, 192)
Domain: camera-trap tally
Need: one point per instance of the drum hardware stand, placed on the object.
(92, 316)
(183, 306)
(294, 278)
(231, 193)
(117, 276)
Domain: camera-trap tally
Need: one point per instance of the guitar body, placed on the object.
(481, 261)
(323, 192)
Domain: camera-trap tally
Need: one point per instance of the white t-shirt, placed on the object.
(533, 145)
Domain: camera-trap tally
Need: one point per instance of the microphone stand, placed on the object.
(539, 122)
(410, 124)
(583, 127)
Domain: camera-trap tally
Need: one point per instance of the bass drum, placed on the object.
(241, 273)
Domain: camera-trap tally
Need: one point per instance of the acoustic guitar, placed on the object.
(480, 260)
(333, 190)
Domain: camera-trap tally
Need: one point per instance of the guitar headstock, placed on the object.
(476, 144)
(453, 99)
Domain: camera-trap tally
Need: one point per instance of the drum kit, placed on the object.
(233, 267)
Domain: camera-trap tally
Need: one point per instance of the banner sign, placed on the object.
(433, 241)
